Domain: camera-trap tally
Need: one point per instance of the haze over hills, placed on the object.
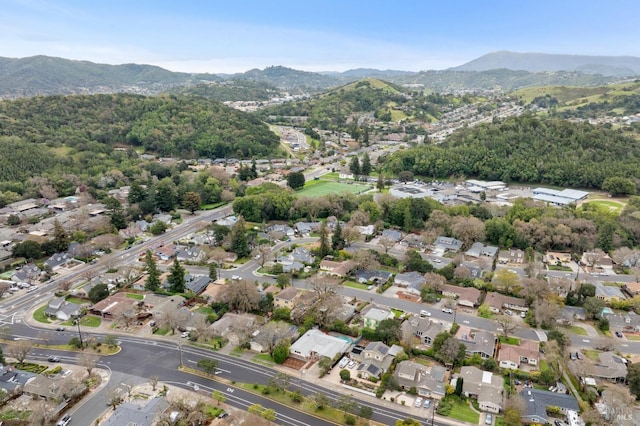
(544, 62)
(500, 71)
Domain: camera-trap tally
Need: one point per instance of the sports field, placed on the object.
(318, 188)
(615, 206)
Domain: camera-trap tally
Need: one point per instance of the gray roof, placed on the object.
(410, 278)
(448, 243)
(538, 400)
(130, 413)
(57, 260)
(315, 341)
(479, 249)
(377, 347)
(378, 314)
(486, 385)
(371, 369)
(392, 234)
(197, 283)
(375, 275)
(611, 366)
(479, 341)
(609, 291)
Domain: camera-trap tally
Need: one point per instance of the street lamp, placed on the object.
(79, 333)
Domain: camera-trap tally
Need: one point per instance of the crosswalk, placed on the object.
(10, 319)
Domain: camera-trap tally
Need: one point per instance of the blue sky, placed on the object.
(313, 35)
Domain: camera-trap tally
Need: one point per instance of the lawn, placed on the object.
(318, 188)
(356, 285)
(614, 206)
(76, 300)
(578, 330)
(510, 340)
(397, 312)
(205, 310)
(86, 321)
(461, 411)
(264, 359)
(593, 355)
(39, 315)
(135, 296)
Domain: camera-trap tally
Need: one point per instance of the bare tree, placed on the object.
(173, 318)
(242, 296)
(20, 349)
(4, 287)
(516, 403)
(386, 243)
(324, 286)
(327, 309)
(218, 256)
(359, 218)
(535, 289)
(546, 313)
(507, 324)
(41, 414)
(153, 381)
(593, 257)
(88, 360)
(435, 281)
(365, 259)
(272, 334)
(507, 280)
(467, 229)
(275, 235)
(462, 272)
(114, 398)
(201, 329)
(262, 254)
(65, 285)
(128, 316)
(351, 235)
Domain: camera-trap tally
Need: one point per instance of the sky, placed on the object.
(313, 35)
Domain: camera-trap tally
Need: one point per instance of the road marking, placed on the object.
(586, 341)
(465, 321)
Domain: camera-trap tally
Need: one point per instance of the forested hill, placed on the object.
(232, 90)
(385, 101)
(530, 150)
(187, 127)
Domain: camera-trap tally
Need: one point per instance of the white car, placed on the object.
(343, 362)
(418, 402)
(447, 310)
(185, 334)
(351, 364)
(424, 313)
(235, 278)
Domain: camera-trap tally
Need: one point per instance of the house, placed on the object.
(511, 256)
(511, 356)
(339, 269)
(392, 234)
(57, 261)
(479, 250)
(286, 298)
(46, 387)
(196, 283)
(306, 228)
(477, 341)
(537, 402)
(629, 321)
(376, 277)
(558, 198)
(413, 241)
(569, 314)
(596, 260)
(261, 341)
(281, 229)
(190, 254)
(611, 367)
(12, 379)
(497, 302)
(372, 315)
(166, 252)
(113, 306)
(608, 293)
(314, 344)
(367, 230)
(422, 328)
(28, 273)
(59, 308)
(443, 245)
(299, 254)
(429, 382)
(235, 327)
(413, 281)
(484, 386)
(466, 296)
(137, 412)
(557, 258)
(376, 358)
(228, 221)
(632, 288)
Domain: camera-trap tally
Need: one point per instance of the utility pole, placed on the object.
(80, 333)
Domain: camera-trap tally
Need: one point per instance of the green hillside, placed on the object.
(527, 149)
(186, 127)
(232, 90)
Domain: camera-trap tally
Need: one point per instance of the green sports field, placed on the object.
(614, 206)
(318, 188)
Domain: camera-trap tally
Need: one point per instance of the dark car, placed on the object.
(618, 334)
(59, 328)
(558, 423)
(53, 358)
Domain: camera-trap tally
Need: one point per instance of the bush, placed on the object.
(345, 375)
(349, 419)
(280, 353)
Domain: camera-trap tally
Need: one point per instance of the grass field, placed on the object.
(610, 204)
(461, 411)
(318, 188)
(578, 330)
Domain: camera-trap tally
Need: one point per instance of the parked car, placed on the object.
(618, 334)
(447, 310)
(508, 312)
(488, 419)
(573, 356)
(427, 403)
(185, 334)
(351, 364)
(418, 402)
(424, 313)
(523, 314)
(54, 358)
(64, 421)
(558, 423)
(343, 362)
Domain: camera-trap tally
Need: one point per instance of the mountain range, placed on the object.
(499, 71)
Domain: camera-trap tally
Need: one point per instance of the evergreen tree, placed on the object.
(191, 201)
(254, 169)
(153, 274)
(213, 271)
(238, 239)
(324, 248)
(365, 168)
(60, 237)
(365, 136)
(354, 166)
(166, 195)
(380, 183)
(177, 283)
(136, 193)
(337, 241)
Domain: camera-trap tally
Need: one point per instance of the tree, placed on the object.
(238, 239)
(219, 397)
(337, 242)
(354, 167)
(365, 168)
(386, 243)
(98, 293)
(633, 379)
(593, 306)
(158, 227)
(467, 229)
(213, 271)
(28, 249)
(176, 280)
(88, 360)
(380, 182)
(546, 313)
(345, 375)
(619, 186)
(320, 400)
(13, 220)
(262, 254)
(19, 350)
(173, 318)
(209, 366)
(507, 324)
(241, 296)
(269, 414)
(191, 201)
(283, 280)
(280, 353)
(296, 180)
(153, 274)
(324, 249)
(389, 331)
(408, 422)
(350, 235)
(153, 381)
(324, 365)
(60, 237)
(507, 281)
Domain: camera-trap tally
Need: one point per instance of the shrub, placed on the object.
(345, 375)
